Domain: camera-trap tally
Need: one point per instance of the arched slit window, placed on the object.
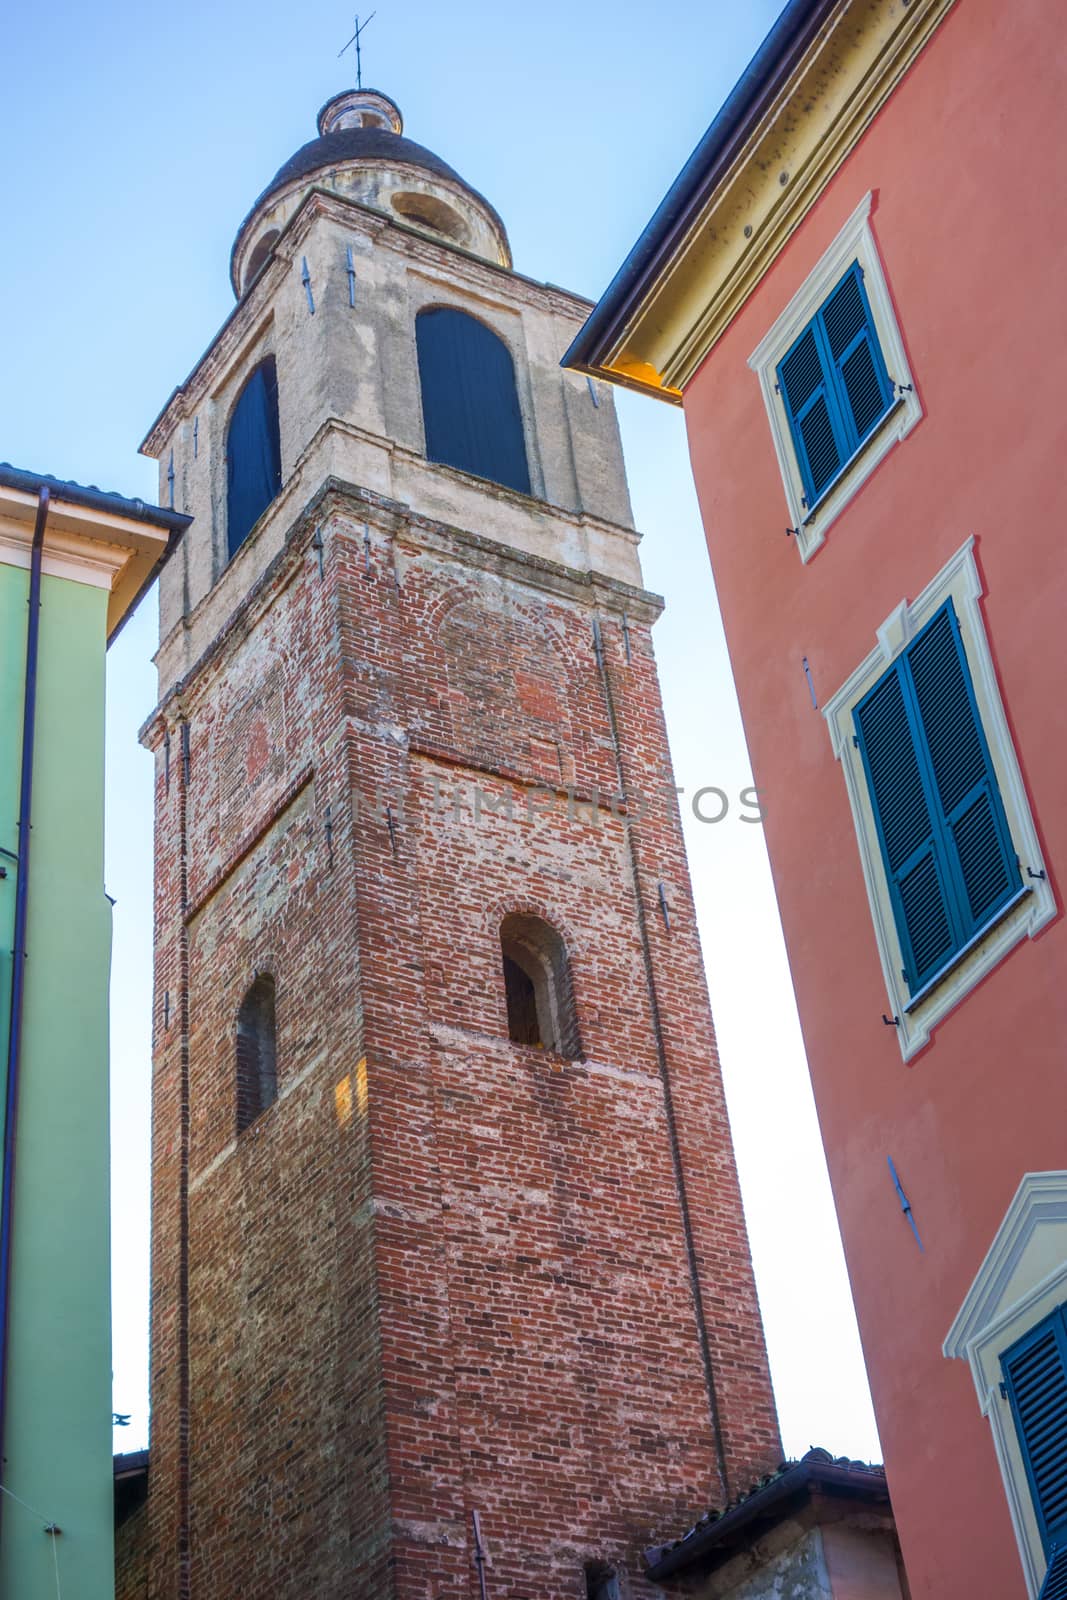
(253, 454)
(470, 406)
(257, 1067)
(537, 987)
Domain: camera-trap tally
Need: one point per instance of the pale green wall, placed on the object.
(58, 1455)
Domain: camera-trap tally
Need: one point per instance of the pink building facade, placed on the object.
(854, 289)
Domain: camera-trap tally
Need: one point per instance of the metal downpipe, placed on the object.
(18, 964)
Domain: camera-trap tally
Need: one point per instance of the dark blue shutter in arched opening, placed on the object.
(253, 454)
(470, 407)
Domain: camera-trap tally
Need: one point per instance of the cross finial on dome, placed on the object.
(355, 40)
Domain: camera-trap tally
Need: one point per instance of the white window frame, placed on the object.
(1022, 1280)
(958, 580)
(855, 242)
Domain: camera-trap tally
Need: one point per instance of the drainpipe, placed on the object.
(18, 965)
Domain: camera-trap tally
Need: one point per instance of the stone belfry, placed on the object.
(450, 1281)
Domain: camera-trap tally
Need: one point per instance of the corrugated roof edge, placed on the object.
(92, 498)
(108, 503)
(817, 1469)
(787, 40)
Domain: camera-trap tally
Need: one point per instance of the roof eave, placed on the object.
(770, 67)
(800, 1480)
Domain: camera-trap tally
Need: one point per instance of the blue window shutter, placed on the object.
(470, 405)
(864, 392)
(1035, 1375)
(1055, 1584)
(885, 726)
(834, 384)
(811, 410)
(253, 454)
(941, 824)
(979, 852)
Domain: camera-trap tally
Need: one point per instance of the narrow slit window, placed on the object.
(257, 1064)
(537, 987)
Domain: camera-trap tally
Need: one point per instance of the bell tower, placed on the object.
(450, 1281)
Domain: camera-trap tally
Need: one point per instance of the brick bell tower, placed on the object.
(450, 1281)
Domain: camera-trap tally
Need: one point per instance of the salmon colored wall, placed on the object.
(966, 163)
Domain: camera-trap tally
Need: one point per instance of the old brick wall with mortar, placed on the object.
(441, 1273)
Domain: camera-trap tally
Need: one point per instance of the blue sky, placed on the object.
(133, 140)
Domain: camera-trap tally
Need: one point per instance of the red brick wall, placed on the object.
(442, 1272)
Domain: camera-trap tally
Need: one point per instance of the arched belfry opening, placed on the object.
(257, 1053)
(470, 405)
(537, 986)
(253, 453)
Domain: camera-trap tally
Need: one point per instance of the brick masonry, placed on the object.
(442, 1273)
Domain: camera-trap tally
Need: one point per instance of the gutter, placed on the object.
(18, 965)
(79, 494)
(61, 491)
(760, 82)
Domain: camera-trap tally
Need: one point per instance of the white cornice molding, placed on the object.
(1040, 1200)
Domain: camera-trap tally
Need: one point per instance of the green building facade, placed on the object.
(96, 554)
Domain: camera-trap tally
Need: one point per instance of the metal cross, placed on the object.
(355, 41)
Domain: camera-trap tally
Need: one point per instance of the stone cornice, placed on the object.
(406, 528)
(738, 229)
(250, 316)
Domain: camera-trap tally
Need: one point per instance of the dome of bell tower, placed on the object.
(361, 154)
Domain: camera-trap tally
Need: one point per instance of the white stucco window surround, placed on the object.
(918, 1015)
(854, 243)
(1021, 1281)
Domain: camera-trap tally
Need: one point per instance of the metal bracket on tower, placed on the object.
(366, 549)
(351, 275)
(592, 391)
(318, 545)
(185, 754)
(663, 906)
(328, 830)
(170, 481)
(626, 638)
(305, 279)
(166, 760)
(196, 437)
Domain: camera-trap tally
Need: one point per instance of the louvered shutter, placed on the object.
(809, 404)
(470, 406)
(939, 816)
(1035, 1375)
(906, 828)
(253, 454)
(980, 853)
(1055, 1584)
(863, 389)
(834, 384)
